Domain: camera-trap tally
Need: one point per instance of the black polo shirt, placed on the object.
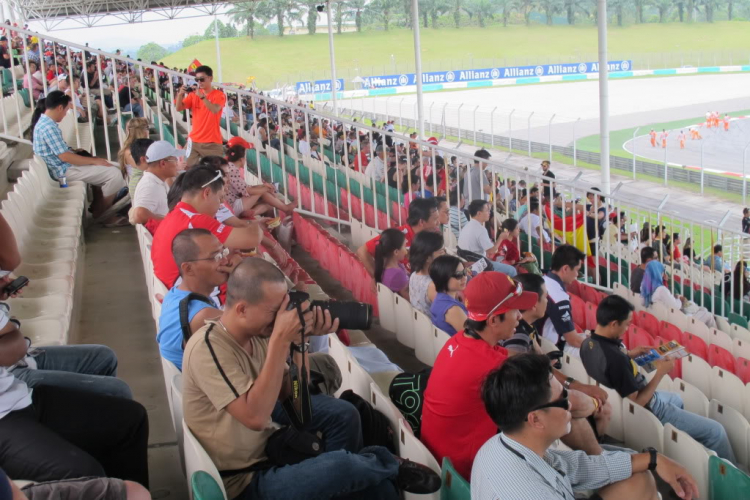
(523, 338)
(606, 361)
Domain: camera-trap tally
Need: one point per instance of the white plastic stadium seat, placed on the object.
(723, 324)
(699, 329)
(720, 338)
(660, 311)
(404, 321)
(338, 352)
(693, 400)
(615, 428)
(175, 389)
(572, 366)
(169, 370)
(387, 311)
(689, 453)
(423, 335)
(439, 338)
(737, 427)
(741, 348)
(727, 388)
(641, 427)
(383, 404)
(412, 448)
(697, 372)
(678, 319)
(740, 332)
(359, 379)
(197, 459)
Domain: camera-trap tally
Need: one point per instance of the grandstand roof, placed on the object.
(67, 14)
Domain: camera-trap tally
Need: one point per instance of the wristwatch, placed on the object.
(567, 382)
(652, 462)
(301, 347)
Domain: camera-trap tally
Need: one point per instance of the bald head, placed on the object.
(248, 281)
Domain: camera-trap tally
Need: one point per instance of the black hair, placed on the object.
(482, 153)
(420, 210)
(566, 255)
(510, 225)
(533, 206)
(38, 112)
(174, 195)
(522, 193)
(205, 70)
(235, 153)
(442, 270)
(139, 147)
(439, 200)
(55, 99)
(476, 206)
(425, 243)
(512, 391)
(531, 283)
(717, 248)
(390, 240)
(613, 308)
(647, 253)
(213, 161)
(194, 179)
(184, 247)
(533, 190)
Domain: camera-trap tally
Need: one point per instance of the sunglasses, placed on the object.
(515, 293)
(200, 79)
(217, 257)
(218, 176)
(460, 274)
(561, 402)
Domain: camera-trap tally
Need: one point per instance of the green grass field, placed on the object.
(273, 59)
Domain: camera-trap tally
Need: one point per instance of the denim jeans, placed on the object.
(90, 368)
(504, 268)
(667, 406)
(345, 470)
(135, 108)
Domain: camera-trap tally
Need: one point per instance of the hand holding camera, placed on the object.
(287, 326)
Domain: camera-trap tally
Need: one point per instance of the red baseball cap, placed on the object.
(492, 293)
(433, 141)
(239, 141)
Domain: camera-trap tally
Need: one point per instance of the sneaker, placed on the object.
(416, 478)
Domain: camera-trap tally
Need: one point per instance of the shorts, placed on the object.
(96, 488)
(238, 207)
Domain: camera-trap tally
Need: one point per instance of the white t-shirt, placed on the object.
(474, 238)
(14, 394)
(227, 113)
(535, 222)
(151, 194)
(304, 147)
(376, 169)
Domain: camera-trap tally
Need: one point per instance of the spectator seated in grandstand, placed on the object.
(477, 185)
(235, 375)
(303, 145)
(443, 212)
(204, 265)
(130, 97)
(532, 409)
(100, 488)
(201, 187)
(532, 223)
(423, 216)
(61, 161)
(740, 289)
(509, 248)
(608, 362)
(57, 431)
(449, 277)
(458, 218)
(557, 324)
(636, 277)
(248, 201)
(376, 168)
(150, 199)
(133, 161)
(426, 247)
(363, 156)
(206, 104)
(475, 238)
(716, 261)
(390, 251)
(653, 291)
(32, 79)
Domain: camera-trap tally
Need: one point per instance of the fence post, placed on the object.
(549, 137)
(575, 149)
(634, 135)
(431, 105)
(386, 110)
(510, 131)
(665, 165)
(744, 178)
(459, 121)
(529, 133)
(492, 127)
(475, 124)
(444, 132)
(702, 143)
(400, 116)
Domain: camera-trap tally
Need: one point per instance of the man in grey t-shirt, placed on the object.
(478, 185)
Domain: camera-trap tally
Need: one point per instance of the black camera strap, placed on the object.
(184, 313)
(298, 405)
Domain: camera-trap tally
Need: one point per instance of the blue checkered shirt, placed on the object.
(48, 143)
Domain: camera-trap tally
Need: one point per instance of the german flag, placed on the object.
(574, 232)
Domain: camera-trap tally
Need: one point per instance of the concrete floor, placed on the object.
(115, 311)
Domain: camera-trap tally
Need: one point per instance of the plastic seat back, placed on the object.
(197, 459)
(590, 314)
(454, 487)
(648, 322)
(412, 448)
(578, 310)
(204, 487)
(725, 480)
(737, 427)
(640, 337)
(641, 427)
(720, 338)
(727, 388)
(697, 371)
(695, 345)
(679, 446)
(669, 332)
(692, 397)
(718, 356)
(743, 370)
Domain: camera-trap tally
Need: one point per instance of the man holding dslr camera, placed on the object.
(235, 374)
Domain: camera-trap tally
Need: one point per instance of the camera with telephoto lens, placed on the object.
(351, 315)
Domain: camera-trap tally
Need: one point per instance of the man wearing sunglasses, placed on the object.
(454, 421)
(205, 104)
(532, 410)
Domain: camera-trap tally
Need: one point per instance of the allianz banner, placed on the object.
(468, 75)
(318, 86)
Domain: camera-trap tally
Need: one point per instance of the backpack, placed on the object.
(407, 394)
(376, 429)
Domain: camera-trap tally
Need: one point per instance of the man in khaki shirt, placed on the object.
(234, 374)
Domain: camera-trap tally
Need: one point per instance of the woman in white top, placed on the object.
(425, 248)
(654, 291)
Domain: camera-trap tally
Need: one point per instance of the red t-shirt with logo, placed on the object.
(455, 423)
(182, 217)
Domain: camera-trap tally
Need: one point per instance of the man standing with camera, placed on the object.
(206, 104)
(234, 376)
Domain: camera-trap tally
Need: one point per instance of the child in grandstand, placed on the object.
(390, 251)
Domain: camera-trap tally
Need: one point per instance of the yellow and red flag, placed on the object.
(571, 229)
(194, 65)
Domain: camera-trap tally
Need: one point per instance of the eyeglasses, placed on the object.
(200, 79)
(515, 293)
(218, 176)
(561, 402)
(217, 257)
(460, 274)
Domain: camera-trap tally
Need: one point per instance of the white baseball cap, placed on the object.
(62, 77)
(162, 149)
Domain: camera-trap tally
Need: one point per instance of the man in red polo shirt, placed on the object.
(455, 423)
(203, 189)
(423, 216)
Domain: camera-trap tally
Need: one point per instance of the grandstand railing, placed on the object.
(339, 195)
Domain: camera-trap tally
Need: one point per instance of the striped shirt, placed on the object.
(458, 220)
(48, 144)
(506, 469)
